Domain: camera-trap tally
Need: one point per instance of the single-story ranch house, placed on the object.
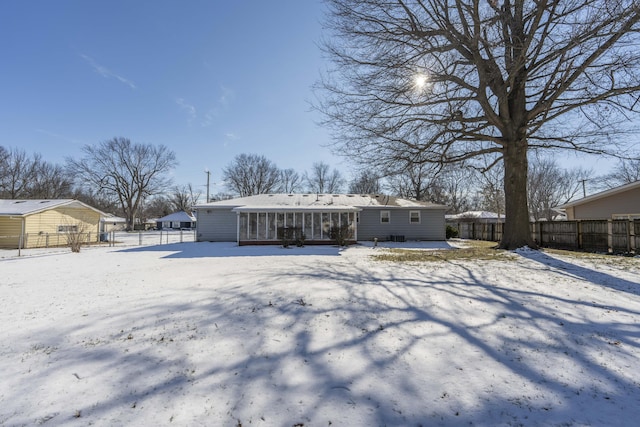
(265, 218)
(45, 222)
(621, 202)
(176, 221)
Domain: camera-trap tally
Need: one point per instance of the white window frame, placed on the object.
(385, 215)
(411, 221)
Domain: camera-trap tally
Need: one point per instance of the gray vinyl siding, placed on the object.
(217, 225)
(432, 224)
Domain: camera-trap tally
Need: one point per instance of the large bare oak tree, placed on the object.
(447, 81)
(124, 170)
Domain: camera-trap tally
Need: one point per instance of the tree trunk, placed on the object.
(516, 232)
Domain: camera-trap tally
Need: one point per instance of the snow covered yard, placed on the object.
(215, 334)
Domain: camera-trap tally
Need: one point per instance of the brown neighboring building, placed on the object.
(617, 203)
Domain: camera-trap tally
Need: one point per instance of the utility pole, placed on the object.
(584, 190)
(208, 172)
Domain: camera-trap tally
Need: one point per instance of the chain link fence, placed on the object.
(42, 243)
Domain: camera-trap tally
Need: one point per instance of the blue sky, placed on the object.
(209, 79)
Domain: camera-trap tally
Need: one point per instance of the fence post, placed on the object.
(632, 236)
(610, 235)
(579, 239)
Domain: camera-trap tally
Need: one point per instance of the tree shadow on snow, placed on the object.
(374, 344)
(225, 249)
(587, 274)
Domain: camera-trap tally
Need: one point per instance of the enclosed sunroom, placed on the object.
(264, 225)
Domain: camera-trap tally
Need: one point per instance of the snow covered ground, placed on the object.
(215, 334)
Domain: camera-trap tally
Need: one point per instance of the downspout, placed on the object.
(21, 239)
(355, 224)
(238, 228)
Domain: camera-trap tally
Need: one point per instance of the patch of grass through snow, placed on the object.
(473, 250)
(600, 258)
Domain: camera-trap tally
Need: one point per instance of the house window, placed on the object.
(385, 217)
(414, 217)
(67, 228)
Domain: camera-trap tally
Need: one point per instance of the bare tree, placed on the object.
(18, 172)
(414, 180)
(453, 187)
(29, 176)
(156, 207)
(183, 198)
(4, 161)
(50, 181)
(446, 81)
(102, 201)
(126, 171)
(290, 181)
(550, 186)
(625, 172)
(250, 174)
(365, 182)
(322, 179)
(491, 190)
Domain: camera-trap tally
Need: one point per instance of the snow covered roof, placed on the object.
(476, 215)
(348, 202)
(22, 207)
(112, 218)
(181, 216)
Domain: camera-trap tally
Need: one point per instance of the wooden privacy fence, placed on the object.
(613, 235)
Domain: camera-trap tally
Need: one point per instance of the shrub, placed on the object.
(76, 236)
(451, 232)
(340, 235)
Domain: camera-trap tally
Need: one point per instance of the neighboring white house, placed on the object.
(266, 218)
(176, 221)
(478, 216)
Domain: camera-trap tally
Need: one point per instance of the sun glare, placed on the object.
(421, 81)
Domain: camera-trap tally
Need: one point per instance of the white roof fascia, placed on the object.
(276, 208)
(601, 195)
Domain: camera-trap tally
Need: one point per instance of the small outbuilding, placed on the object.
(111, 223)
(268, 218)
(621, 202)
(46, 222)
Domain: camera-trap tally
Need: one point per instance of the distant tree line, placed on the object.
(132, 180)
